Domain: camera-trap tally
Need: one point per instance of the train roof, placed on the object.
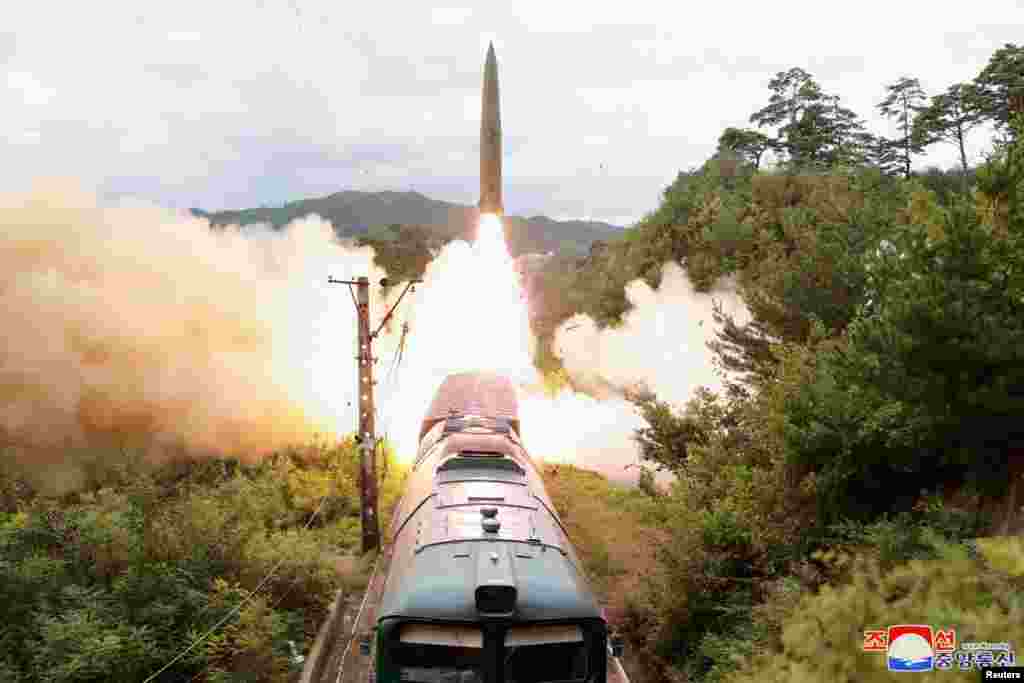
(475, 512)
(473, 393)
(441, 580)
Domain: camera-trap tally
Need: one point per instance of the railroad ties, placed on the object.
(343, 659)
(339, 655)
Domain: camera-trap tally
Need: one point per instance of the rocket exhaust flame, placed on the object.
(469, 314)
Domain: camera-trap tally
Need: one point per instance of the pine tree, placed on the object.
(1000, 81)
(903, 103)
(949, 118)
(795, 92)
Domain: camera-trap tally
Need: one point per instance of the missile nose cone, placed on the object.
(490, 138)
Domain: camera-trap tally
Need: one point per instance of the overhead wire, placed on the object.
(234, 611)
(355, 623)
(239, 606)
(391, 381)
(273, 607)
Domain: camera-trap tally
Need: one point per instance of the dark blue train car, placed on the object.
(484, 584)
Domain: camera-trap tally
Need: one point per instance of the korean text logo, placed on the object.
(918, 647)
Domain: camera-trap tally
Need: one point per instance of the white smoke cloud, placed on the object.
(661, 343)
(134, 322)
(588, 432)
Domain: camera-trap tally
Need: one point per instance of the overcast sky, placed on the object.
(226, 104)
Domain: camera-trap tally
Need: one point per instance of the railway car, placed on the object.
(484, 585)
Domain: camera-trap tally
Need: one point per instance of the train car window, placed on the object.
(429, 653)
(536, 654)
(468, 460)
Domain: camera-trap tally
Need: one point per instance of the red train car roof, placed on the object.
(473, 393)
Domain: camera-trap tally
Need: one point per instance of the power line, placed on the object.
(355, 622)
(366, 594)
(392, 382)
(239, 606)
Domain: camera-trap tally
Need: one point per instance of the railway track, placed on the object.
(477, 565)
(339, 659)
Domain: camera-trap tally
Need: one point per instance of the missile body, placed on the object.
(490, 140)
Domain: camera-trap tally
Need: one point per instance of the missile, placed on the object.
(490, 140)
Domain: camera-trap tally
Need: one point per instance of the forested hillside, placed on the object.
(379, 217)
(874, 432)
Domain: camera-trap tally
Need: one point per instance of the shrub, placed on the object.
(821, 637)
(111, 582)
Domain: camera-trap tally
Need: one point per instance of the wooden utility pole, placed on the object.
(366, 436)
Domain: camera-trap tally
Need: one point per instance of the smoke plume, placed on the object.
(661, 346)
(137, 325)
(662, 343)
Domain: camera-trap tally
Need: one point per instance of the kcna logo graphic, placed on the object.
(910, 647)
(916, 647)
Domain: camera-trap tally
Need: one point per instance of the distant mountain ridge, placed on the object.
(362, 214)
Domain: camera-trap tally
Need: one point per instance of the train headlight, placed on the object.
(496, 598)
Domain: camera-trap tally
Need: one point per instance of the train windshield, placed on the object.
(536, 653)
(428, 653)
(545, 653)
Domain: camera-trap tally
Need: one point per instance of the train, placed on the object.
(484, 585)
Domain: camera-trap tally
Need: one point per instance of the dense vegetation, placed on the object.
(872, 429)
(114, 581)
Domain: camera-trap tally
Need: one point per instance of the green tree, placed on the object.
(949, 118)
(904, 101)
(667, 438)
(750, 144)
(843, 133)
(793, 93)
(743, 350)
(833, 132)
(927, 386)
(647, 483)
(1000, 81)
(814, 130)
(948, 184)
(877, 152)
